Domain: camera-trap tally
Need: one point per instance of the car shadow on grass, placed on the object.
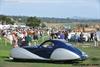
(95, 59)
(5, 58)
(40, 61)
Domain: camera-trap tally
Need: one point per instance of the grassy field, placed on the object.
(92, 61)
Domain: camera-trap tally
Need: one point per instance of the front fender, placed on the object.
(63, 54)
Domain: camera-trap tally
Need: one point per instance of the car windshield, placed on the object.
(48, 45)
(64, 41)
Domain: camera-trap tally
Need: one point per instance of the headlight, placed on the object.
(84, 54)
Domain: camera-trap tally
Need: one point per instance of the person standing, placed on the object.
(62, 36)
(95, 40)
(66, 36)
(28, 40)
(81, 37)
(15, 40)
(91, 36)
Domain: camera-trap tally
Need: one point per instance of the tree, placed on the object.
(6, 20)
(3, 19)
(33, 22)
(43, 24)
(86, 25)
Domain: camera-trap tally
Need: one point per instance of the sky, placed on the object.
(51, 8)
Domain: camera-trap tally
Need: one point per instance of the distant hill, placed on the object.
(68, 20)
(57, 20)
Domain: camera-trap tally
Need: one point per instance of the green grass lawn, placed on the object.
(93, 52)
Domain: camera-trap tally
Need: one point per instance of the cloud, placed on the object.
(11, 1)
(53, 1)
(35, 1)
(70, 3)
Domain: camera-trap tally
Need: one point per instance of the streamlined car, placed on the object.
(56, 50)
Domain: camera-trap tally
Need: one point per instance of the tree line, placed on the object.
(31, 21)
(39, 21)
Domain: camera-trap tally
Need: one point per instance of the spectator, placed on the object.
(66, 35)
(15, 40)
(95, 40)
(62, 36)
(81, 37)
(28, 40)
(91, 36)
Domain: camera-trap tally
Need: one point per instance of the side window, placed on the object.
(48, 45)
